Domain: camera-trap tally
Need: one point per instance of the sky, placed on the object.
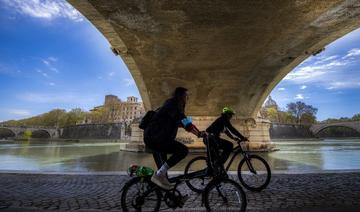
(53, 57)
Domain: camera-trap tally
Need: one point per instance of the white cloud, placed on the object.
(299, 96)
(46, 62)
(19, 112)
(54, 70)
(303, 87)
(53, 59)
(58, 98)
(51, 84)
(313, 72)
(281, 89)
(324, 59)
(9, 70)
(111, 74)
(129, 82)
(45, 9)
(352, 52)
(42, 73)
(344, 85)
(49, 62)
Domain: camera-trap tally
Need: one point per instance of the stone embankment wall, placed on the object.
(94, 131)
(257, 131)
(291, 131)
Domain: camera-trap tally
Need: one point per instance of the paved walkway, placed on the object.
(286, 192)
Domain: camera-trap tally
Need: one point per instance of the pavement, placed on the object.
(290, 192)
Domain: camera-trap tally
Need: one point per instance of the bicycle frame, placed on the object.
(238, 150)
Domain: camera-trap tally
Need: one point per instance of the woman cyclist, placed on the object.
(161, 132)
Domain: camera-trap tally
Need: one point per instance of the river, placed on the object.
(57, 156)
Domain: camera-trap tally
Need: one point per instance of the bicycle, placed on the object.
(253, 171)
(221, 193)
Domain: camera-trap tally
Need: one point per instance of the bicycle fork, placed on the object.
(248, 162)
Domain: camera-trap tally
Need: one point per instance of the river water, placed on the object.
(298, 156)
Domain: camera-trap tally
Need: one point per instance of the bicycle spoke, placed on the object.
(139, 195)
(254, 173)
(226, 195)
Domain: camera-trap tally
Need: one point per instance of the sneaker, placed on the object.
(161, 181)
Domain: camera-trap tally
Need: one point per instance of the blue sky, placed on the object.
(52, 57)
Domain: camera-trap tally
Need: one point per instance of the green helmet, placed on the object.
(228, 110)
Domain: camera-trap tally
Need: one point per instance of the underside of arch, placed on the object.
(333, 126)
(40, 134)
(225, 52)
(6, 133)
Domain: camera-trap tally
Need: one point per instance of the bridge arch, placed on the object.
(238, 51)
(6, 133)
(334, 126)
(40, 134)
(316, 128)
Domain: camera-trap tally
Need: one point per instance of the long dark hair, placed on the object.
(178, 93)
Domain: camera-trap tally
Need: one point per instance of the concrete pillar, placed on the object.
(256, 130)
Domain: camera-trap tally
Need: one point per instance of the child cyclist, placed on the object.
(222, 124)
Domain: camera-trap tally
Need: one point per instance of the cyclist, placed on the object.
(222, 124)
(160, 135)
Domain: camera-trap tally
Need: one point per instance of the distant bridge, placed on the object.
(18, 131)
(316, 128)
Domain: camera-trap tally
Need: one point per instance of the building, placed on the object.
(121, 111)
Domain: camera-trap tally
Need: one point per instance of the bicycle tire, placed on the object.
(197, 184)
(136, 203)
(265, 180)
(224, 194)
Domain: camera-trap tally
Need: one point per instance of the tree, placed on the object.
(99, 116)
(27, 134)
(286, 118)
(75, 116)
(356, 117)
(273, 114)
(298, 109)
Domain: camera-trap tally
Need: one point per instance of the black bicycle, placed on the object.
(253, 171)
(220, 194)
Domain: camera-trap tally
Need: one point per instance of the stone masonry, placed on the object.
(100, 192)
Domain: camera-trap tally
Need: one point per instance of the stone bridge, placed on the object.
(316, 128)
(18, 132)
(226, 52)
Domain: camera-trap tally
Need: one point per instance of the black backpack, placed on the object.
(146, 119)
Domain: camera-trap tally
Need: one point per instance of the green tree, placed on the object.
(99, 116)
(356, 117)
(286, 118)
(75, 116)
(27, 134)
(298, 109)
(273, 114)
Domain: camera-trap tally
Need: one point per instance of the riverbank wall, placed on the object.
(111, 131)
(290, 131)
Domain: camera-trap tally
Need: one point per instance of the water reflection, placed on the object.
(82, 157)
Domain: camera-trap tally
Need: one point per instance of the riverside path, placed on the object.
(326, 191)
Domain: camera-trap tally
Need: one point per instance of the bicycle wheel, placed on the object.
(140, 194)
(197, 164)
(224, 195)
(254, 174)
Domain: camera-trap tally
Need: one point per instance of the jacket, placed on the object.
(222, 124)
(164, 125)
